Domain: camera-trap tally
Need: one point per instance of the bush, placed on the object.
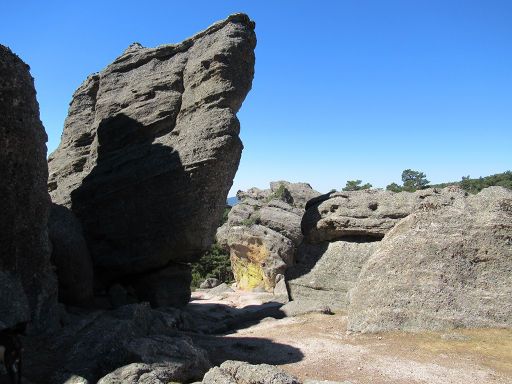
(214, 263)
(355, 185)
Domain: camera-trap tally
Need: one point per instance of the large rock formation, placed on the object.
(263, 232)
(150, 148)
(341, 231)
(444, 266)
(27, 282)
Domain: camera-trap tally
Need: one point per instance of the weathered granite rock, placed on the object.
(341, 231)
(210, 282)
(441, 267)
(239, 372)
(98, 344)
(24, 245)
(164, 359)
(367, 213)
(324, 273)
(150, 148)
(71, 257)
(263, 232)
(258, 254)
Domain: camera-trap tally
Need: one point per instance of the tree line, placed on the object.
(413, 180)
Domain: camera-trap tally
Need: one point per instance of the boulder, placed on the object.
(444, 266)
(26, 275)
(164, 359)
(71, 257)
(258, 254)
(325, 273)
(150, 148)
(99, 343)
(210, 282)
(263, 232)
(367, 213)
(239, 372)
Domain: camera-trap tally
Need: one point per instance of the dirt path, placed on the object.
(317, 346)
(329, 353)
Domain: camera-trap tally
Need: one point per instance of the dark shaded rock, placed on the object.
(441, 267)
(14, 308)
(164, 359)
(71, 257)
(99, 343)
(150, 148)
(25, 251)
(233, 372)
(166, 287)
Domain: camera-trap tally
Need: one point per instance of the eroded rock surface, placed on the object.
(29, 286)
(233, 372)
(341, 231)
(263, 232)
(366, 214)
(444, 266)
(150, 148)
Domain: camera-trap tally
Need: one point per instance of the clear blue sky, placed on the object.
(343, 89)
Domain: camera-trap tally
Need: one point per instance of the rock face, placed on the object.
(150, 148)
(263, 233)
(341, 231)
(444, 266)
(324, 273)
(71, 257)
(166, 359)
(233, 372)
(27, 281)
(109, 343)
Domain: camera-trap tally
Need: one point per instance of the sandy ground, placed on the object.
(317, 346)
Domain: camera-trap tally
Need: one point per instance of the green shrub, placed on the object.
(214, 263)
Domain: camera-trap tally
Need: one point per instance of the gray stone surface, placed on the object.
(239, 372)
(24, 202)
(367, 213)
(325, 273)
(70, 256)
(263, 232)
(210, 282)
(441, 267)
(150, 148)
(164, 359)
(94, 345)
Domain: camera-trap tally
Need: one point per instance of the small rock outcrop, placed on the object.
(341, 231)
(444, 266)
(263, 232)
(120, 345)
(239, 372)
(27, 281)
(150, 148)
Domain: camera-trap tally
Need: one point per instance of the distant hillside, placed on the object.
(476, 185)
(232, 201)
